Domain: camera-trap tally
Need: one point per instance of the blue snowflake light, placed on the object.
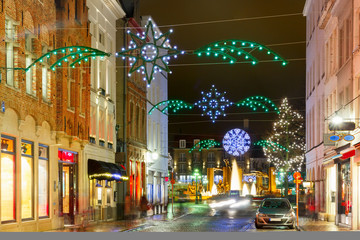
(236, 142)
(213, 103)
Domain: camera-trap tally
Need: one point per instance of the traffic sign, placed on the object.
(298, 181)
(172, 181)
(297, 175)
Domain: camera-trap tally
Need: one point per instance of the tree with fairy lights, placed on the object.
(288, 131)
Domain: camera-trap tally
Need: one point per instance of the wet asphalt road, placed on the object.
(202, 218)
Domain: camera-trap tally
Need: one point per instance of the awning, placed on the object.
(106, 171)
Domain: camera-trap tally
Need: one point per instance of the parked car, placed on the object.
(275, 212)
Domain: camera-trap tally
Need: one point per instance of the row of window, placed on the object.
(105, 125)
(9, 182)
(12, 56)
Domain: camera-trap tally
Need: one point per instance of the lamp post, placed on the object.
(196, 174)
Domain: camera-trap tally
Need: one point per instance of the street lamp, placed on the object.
(196, 174)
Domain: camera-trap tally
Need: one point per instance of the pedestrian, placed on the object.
(143, 206)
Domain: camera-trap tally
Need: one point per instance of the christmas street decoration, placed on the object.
(71, 54)
(288, 132)
(236, 142)
(213, 103)
(150, 52)
(256, 102)
(233, 50)
(205, 144)
(174, 105)
(273, 145)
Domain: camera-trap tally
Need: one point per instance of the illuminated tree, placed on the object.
(288, 131)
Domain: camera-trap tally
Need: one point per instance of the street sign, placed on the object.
(299, 180)
(172, 181)
(297, 175)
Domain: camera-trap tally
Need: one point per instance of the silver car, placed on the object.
(275, 212)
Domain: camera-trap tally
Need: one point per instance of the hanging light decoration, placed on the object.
(238, 50)
(205, 144)
(149, 52)
(236, 142)
(213, 103)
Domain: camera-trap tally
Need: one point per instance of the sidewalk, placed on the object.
(121, 225)
(307, 224)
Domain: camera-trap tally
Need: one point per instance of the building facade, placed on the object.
(157, 138)
(332, 89)
(44, 118)
(185, 162)
(27, 118)
(102, 138)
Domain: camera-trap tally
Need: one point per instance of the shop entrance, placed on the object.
(68, 203)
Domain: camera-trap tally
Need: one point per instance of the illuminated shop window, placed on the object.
(8, 212)
(43, 181)
(27, 183)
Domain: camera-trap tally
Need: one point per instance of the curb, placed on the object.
(299, 228)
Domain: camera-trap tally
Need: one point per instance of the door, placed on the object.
(67, 196)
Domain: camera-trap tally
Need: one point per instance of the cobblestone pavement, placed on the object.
(190, 217)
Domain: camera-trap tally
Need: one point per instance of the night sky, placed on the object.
(268, 79)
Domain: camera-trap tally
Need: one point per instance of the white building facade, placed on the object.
(332, 92)
(157, 140)
(102, 192)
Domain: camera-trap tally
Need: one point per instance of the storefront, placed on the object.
(25, 175)
(331, 186)
(68, 191)
(344, 193)
(104, 178)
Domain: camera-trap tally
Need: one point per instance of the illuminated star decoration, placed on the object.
(213, 103)
(236, 142)
(150, 52)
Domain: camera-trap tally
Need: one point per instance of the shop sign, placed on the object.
(66, 156)
(166, 179)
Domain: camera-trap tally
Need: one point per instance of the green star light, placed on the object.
(150, 52)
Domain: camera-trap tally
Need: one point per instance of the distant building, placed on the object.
(185, 162)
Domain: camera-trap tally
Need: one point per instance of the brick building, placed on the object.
(27, 118)
(44, 122)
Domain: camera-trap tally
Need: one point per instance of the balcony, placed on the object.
(325, 13)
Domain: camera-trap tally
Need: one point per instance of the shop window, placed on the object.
(27, 183)
(43, 181)
(8, 209)
(345, 194)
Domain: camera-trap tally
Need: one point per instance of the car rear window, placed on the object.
(279, 204)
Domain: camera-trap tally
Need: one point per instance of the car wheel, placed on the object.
(257, 226)
(292, 226)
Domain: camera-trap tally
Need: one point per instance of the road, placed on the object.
(202, 218)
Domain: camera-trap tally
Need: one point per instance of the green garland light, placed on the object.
(234, 50)
(256, 102)
(174, 105)
(205, 144)
(73, 52)
(149, 52)
(269, 144)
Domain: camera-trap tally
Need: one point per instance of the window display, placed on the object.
(43, 181)
(345, 197)
(27, 180)
(7, 179)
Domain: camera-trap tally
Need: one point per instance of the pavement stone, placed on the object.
(307, 224)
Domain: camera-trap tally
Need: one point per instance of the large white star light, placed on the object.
(213, 103)
(236, 142)
(150, 52)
